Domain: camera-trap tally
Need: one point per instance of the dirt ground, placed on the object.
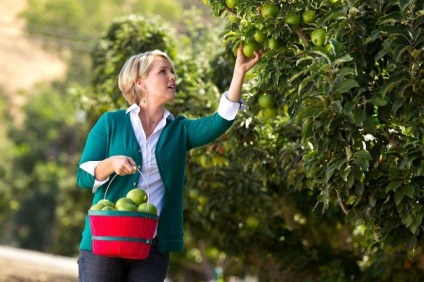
(17, 265)
(12, 271)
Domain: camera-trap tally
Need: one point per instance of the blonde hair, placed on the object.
(137, 66)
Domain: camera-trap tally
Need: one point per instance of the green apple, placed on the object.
(97, 207)
(203, 200)
(147, 207)
(123, 201)
(252, 222)
(207, 2)
(250, 47)
(266, 101)
(275, 43)
(137, 196)
(318, 36)
(126, 207)
(270, 112)
(292, 19)
(259, 36)
(231, 3)
(108, 208)
(233, 18)
(106, 202)
(269, 10)
(308, 16)
(193, 194)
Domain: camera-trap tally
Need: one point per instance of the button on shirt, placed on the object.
(150, 179)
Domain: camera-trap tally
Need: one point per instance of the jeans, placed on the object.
(95, 268)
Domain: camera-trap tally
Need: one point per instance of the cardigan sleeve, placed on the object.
(95, 150)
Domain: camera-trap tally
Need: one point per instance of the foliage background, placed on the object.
(270, 197)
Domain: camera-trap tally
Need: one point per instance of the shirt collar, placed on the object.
(136, 109)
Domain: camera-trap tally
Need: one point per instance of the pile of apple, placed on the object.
(135, 200)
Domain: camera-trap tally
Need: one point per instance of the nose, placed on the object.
(172, 76)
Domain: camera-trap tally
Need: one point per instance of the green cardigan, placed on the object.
(113, 135)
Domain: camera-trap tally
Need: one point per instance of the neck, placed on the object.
(150, 116)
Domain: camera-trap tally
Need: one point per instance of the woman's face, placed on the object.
(160, 85)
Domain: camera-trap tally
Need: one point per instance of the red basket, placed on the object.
(122, 234)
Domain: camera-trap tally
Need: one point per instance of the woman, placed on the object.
(148, 137)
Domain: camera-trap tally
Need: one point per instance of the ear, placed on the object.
(139, 82)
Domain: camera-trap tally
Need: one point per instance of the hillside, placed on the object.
(23, 62)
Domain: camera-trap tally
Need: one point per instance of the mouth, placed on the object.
(172, 86)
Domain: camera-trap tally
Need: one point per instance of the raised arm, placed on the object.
(242, 66)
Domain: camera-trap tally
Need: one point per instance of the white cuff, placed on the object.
(229, 109)
(89, 167)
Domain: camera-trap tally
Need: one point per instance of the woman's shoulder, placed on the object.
(114, 114)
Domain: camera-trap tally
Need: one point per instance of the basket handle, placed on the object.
(137, 167)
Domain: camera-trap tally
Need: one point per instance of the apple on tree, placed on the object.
(269, 10)
(269, 112)
(275, 43)
(250, 48)
(231, 3)
(308, 16)
(292, 19)
(318, 36)
(266, 101)
(259, 36)
(233, 18)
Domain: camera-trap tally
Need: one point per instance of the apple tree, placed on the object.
(349, 77)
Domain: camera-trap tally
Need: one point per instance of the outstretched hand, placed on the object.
(243, 63)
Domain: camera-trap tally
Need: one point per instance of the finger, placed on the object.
(131, 161)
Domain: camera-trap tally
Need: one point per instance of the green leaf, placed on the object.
(399, 52)
(363, 154)
(337, 106)
(359, 116)
(359, 189)
(390, 84)
(344, 59)
(404, 4)
(346, 85)
(392, 18)
(370, 125)
(409, 190)
(323, 52)
(349, 106)
(336, 47)
(345, 173)
(345, 72)
(399, 194)
(310, 112)
(362, 163)
(378, 101)
(304, 59)
(393, 185)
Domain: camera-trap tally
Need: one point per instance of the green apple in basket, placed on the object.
(148, 208)
(137, 196)
(97, 207)
(108, 208)
(106, 202)
(125, 204)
